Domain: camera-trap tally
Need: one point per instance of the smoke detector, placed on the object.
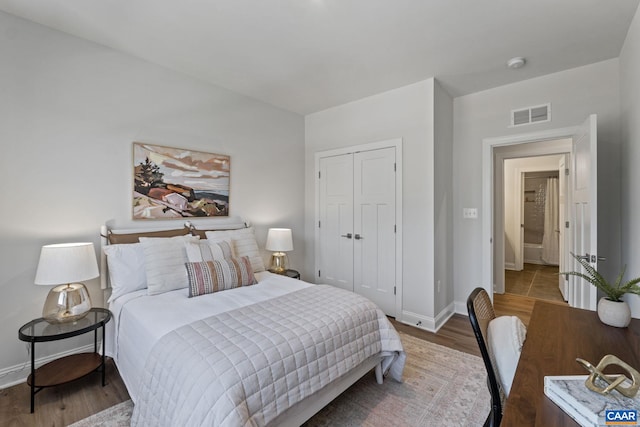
(515, 63)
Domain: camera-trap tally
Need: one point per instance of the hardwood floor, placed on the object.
(66, 404)
(62, 405)
(456, 334)
(522, 288)
(534, 280)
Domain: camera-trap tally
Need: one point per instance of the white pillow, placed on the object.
(209, 250)
(164, 259)
(505, 336)
(126, 269)
(244, 244)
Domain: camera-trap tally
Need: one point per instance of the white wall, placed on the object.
(443, 203)
(574, 94)
(630, 169)
(405, 113)
(69, 112)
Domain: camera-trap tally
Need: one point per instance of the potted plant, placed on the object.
(612, 309)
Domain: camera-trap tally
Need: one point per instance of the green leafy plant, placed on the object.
(613, 291)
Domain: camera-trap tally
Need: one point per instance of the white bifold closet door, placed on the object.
(357, 197)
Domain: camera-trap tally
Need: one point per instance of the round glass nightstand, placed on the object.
(70, 367)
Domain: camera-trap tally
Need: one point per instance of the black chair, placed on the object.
(480, 314)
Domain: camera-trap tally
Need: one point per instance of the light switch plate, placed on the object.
(470, 213)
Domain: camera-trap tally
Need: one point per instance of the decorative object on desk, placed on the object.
(583, 405)
(65, 265)
(597, 379)
(614, 313)
(280, 241)
(612, 309)
(176, 182)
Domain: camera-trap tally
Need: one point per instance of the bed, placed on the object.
(203, 335)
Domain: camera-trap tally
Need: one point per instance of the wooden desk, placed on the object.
(556, 335)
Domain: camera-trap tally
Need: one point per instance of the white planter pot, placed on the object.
(614, 313)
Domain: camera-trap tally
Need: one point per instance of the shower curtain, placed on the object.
(551, 236)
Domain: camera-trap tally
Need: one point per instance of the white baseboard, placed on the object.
(18, 374)
(419, 321)
(445, 315)
(431, 324)
(461, 308)
(509, 265)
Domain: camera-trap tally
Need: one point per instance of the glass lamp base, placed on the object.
(279, 263)
(66, 303)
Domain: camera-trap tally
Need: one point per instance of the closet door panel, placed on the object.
(336, 221)
(374, 227)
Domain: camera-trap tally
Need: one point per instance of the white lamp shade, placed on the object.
(66, 263)
(279, 240)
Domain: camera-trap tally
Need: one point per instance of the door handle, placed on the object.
(358, 237)
(591, 258)
(348, 235)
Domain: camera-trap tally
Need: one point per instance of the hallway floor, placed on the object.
(534, 281)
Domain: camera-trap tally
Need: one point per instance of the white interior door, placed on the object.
(563, 283)
(584, 212)
(374, 227)
(520, 201)
(336, 221)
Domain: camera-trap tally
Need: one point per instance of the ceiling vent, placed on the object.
(530, 115)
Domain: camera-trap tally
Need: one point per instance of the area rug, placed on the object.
(117, 416)
(442, 387)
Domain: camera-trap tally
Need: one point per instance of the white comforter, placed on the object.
(175, 379)
(139, 320)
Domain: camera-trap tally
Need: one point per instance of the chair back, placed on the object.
(481, 312)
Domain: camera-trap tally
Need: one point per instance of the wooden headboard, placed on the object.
(113, 236)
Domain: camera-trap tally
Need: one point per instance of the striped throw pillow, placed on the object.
(244, 244)
(204, 250)
(218, 275)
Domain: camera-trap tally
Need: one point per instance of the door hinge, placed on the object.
(318, 174)
(394, 167)
(394, 290)
(395, 230)
(566, 171)
(566, 224)
(318, 273)
(318, 224)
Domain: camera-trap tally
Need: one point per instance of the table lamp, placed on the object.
(65, 265)
(280, 241)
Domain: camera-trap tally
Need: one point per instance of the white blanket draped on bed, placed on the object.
(246, 366)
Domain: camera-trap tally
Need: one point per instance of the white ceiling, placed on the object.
(309, 55)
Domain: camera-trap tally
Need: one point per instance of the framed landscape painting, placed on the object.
(177, 183)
